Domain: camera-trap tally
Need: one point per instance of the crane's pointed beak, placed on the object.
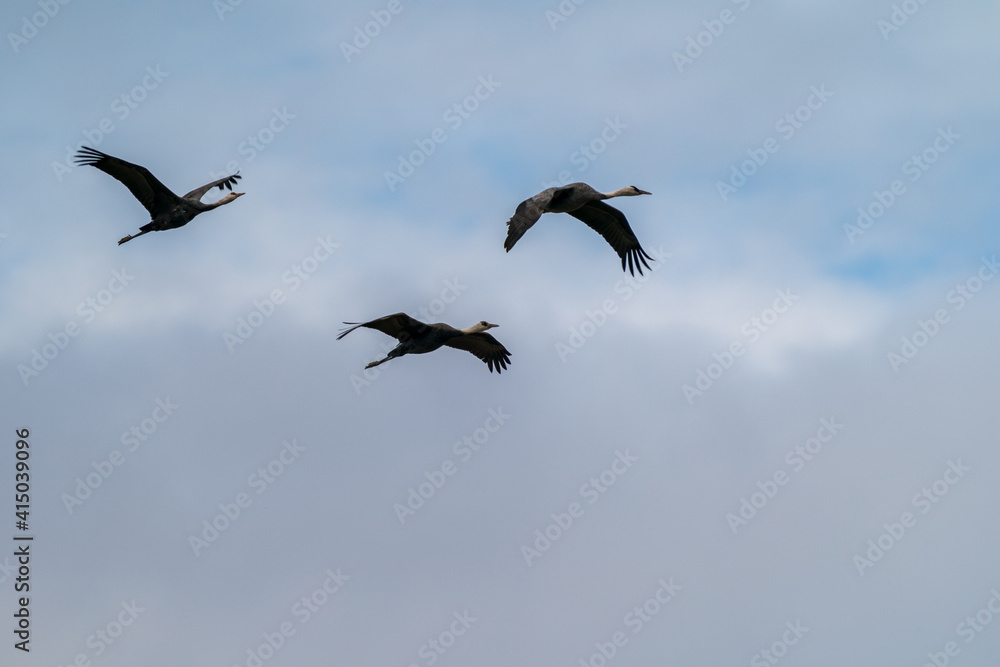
(643, 192)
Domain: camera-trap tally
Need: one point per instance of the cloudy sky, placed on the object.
(779, 445)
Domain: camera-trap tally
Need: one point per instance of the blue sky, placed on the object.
(724, 459)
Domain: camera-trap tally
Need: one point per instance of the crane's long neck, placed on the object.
(232, 196)
(620, 192)
(478, 327)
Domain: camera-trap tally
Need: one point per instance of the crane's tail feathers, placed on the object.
(351, 326)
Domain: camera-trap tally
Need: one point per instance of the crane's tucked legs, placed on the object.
(132, 236)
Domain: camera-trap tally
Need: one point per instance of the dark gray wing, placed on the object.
(152, 194)
(528, 212)
(227, 182)
(484, 346)
(400, 326)
(610, 223)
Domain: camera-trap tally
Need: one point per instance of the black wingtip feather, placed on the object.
(636, 260)
(230, 182)
(88, 156)
(498, 363)
(641, 254)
